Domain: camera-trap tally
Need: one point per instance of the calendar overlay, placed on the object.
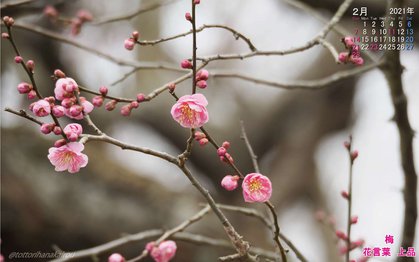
(391, 32)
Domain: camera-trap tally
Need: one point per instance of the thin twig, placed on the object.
(253, 156)
(304, 84)
(95, 51)
(167, 234)
(185, 155)
(254, 213)
(22, 113)
(31, 77)
(331, 49)
(133, 14)
(119, 99)
(15, 3)
(124, 146)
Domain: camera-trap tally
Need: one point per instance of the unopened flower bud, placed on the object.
(75, 110)
(58, 111)
(347, 144)
(5, 35)
(126, 110)
(199, 135)
(135, 35)
(188, 16)
(140, 97)
(134, 104)
(84, 15)
(230, 182)
(202, 75)
(18, 59)
(50, 11)
(60, 143)
(221, 151)
(354, 154)
(172, 87)
(186, 64)
(129, 44)
(59, 74)
(203, 142)
(343, 57)
(357, 61)
(341, 235)
(226, 144)
(31, 94)
(57, 130)
(103, 90)
(348, 42)
(344, 194)
(202, 84)
(97, 101)
(24, 88)
(111, 105)
(115, 257)
(30, 65)
(47, 128)
(354, 219)
(67, 102)
(197, 2)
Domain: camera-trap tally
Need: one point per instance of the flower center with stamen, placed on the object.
(187, 114)
(255, 185)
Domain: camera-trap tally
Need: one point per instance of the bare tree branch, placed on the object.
(304, 84)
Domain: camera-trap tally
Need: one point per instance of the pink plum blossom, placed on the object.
(256, 188)
(343, 57)
(163, 252)
(115, 257)
(73, 131)
(68, 157)
(190, 111)
(41, 108)
(230, 182)
(64, 88)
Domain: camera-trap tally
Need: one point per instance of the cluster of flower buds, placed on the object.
(163, 252)
(111, 105)
(26, 88)
(65, 91)
(129, 43)
(354, 53)
(8, 21)
(76, 22)
(222, 153)
(201, 138)
(201, 78)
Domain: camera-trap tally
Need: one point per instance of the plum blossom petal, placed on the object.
(68, 157)
(190, 111)
(256, 188)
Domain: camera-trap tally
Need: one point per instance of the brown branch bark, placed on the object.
(393, 71)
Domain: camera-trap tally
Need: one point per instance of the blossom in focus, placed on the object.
(41, 108)
(190, 111)
(64, 88)
(256, 188)
(68, 157)
(163, 252)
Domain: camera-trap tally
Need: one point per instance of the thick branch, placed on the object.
(393, 72)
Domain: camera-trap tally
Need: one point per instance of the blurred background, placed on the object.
(298, 135)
